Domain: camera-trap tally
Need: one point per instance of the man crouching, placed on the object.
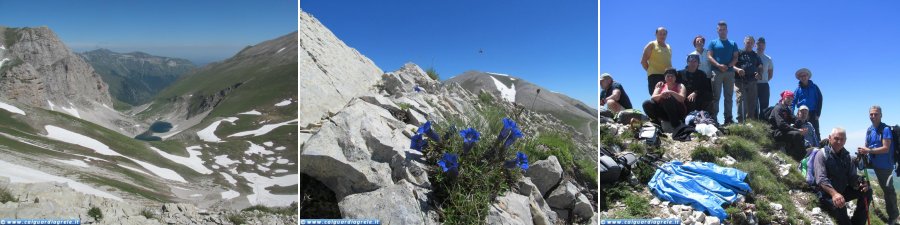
(838, 182)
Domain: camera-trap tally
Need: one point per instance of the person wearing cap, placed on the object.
(699, 88)
(810, 140)
(667, 101)
(745, 81)
(613, 94)
(765, 74)
(808, 93)
(699, 44)
(880, 153)
(782, 121)
(722, 55)
(656, 58)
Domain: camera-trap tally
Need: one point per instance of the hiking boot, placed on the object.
(728, 122)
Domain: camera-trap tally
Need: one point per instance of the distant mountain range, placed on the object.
(525, 94)
(135, 77)
(223, 136)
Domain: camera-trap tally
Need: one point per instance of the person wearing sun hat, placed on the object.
(782, 121)
(809, 94)
(613, 95)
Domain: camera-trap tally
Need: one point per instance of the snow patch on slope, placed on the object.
(507, 93)
(22, 174)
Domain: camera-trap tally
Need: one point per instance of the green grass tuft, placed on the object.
(95, 213)
(433, 74)
(739, 148)
(704, 154)
(6, 195)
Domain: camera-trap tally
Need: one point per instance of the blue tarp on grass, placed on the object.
(702, 185)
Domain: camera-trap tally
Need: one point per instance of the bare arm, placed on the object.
(771, 73)
(680, 95)
(646, 57)
(713, 62)
(615, 95)
(734, 60)
(657, 93)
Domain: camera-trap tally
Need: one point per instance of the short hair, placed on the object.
(660, 28)
(671, 70)
(876, 107)
(695, 39)
(749, 37)
(722, 23)
(839, 130)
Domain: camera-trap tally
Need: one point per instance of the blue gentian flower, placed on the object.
(426, 129)
(509, 133)
(522, 160)
(449, 162)
(417, 142)
(470, 136)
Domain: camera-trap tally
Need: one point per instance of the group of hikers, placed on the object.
(720, 67)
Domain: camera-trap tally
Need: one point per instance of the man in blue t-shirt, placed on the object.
(723, 55)
(881, 157)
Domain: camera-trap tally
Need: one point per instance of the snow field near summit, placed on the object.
(507, 93)
(22, 174)
(74, 162)
(60, 134)
(265, 129)
(226, 195)
(252, 112)
(256, 149)
(208, 134)
(11, 108)
(261, 196)
(284, 103)
(224, 161)
(194, 161)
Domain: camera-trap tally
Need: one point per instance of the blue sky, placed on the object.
(847, 45)
(201, 31)
(552, 44)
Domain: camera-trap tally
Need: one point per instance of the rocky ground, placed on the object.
(681, 151)
(362, 154)
(58, 201)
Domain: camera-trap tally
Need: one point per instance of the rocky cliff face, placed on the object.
(44, 69)
(136, 77)
(329, 68)
(41, 71)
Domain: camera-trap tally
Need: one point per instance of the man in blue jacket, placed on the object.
(808, 94)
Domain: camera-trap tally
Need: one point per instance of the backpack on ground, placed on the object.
(767, 112)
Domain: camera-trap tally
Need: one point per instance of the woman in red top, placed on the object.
(667, 101)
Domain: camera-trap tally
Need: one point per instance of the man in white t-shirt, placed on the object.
(765, 74)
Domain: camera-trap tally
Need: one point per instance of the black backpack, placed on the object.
(767, 112)
(895, 141)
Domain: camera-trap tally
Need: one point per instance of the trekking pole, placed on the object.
(865, 198)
